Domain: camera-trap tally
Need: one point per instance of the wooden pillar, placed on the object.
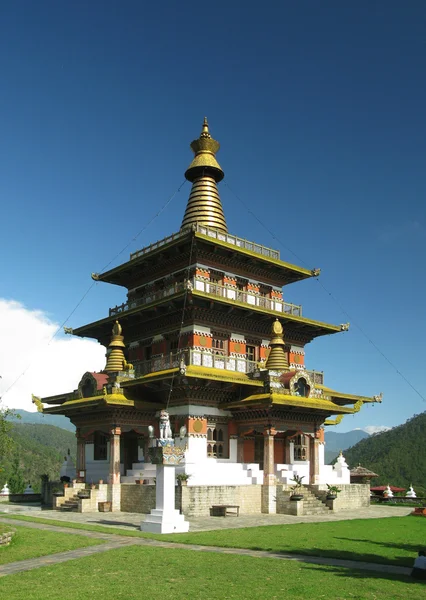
(268, 457)
(81, 453)
(313, 460)
(114, 459)
(287, 458)
(240, 449)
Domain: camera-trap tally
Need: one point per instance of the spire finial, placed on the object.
(115, 355)
(277, 359)
(205, 133)
(204, 205)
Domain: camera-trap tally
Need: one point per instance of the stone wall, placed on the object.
(350, 497)
(197, 500)
(137, 498)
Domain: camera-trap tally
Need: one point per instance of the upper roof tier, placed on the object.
(204, 219)
(224, 246)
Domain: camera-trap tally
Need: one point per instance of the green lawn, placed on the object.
(393, 540)
(32, 543)
(156, 573)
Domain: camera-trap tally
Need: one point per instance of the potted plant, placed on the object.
(297, 488)
(182, 478)
(57, 491)
(83, 494)
(332, 491)
(140, 480)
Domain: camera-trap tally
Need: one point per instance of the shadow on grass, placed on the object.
(397, 561)
(408, 547)
(362, 574)
(116, 523)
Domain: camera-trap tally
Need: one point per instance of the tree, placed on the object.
(16, 476)
(6, 442)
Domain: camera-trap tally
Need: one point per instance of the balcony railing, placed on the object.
(214, 234)
(246, 297)
(213, 289)
(199, 358)
(149, 297)
(203, 358)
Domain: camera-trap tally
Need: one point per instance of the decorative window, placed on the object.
(216, 277)
(87, 389)
(251, 353)
(101, 446)
(174, 345)
(148, 352)
(301, 447)
(302, 388)
(217, 440)
(219, 346)
(241, 284)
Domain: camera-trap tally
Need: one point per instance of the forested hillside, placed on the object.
(398, 456)
(40, 450)
(334, 442)
(24, 416)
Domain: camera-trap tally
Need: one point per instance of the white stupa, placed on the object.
(388, 492)
(5, 491)
(68, 467)
(411, 493)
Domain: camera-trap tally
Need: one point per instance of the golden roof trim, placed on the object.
(286, 400)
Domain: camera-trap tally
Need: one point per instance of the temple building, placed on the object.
(207, 335)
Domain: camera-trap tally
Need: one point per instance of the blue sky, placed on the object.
(319, 109)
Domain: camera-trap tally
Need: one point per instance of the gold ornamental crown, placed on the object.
(204, 148)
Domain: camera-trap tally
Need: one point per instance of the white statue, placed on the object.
(165, 429)
(5, 491)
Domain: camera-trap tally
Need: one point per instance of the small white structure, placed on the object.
(68, 467)
(411, 493)
(5, 491)
(29, 489)
(388, 492)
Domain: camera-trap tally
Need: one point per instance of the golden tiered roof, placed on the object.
(204, 206)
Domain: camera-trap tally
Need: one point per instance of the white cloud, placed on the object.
(370, 429)
(53, 368)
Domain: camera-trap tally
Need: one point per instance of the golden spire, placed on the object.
(277, 359)
(204, 205)
(115, 354)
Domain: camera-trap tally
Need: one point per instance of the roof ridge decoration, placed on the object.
(277, 359)
(204, 205)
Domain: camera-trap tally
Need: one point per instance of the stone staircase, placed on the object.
(313, 505)
(70, 504)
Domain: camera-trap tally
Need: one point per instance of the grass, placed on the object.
(393, 540)
(82, 526)
(157, 573)
(32, 543)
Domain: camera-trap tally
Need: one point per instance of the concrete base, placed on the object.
(160, 521)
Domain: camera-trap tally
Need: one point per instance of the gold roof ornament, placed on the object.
(277, 359)
(204, 205)
(115, 355)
